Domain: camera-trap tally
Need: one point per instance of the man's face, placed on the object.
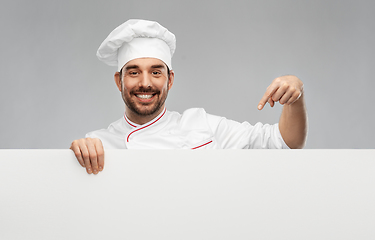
(144, 86)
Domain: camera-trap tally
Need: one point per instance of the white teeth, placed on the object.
(144, 96)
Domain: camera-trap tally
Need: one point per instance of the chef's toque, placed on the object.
(137, 39)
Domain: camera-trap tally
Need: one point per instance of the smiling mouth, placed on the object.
(145, 96)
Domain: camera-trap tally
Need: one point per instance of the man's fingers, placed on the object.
(263, 101)
(77, 152)
(285, 89)
(85, 155)
(92, 156)
(285, 98)
(296, 95)
(280, 92)
(89, 153)
(100, 153)
(271, 102)
(267, 95)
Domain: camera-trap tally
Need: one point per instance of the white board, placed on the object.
(181, 194)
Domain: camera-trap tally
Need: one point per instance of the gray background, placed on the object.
(54, 90)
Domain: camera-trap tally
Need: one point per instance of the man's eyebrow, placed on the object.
(158, 66)
(137, 67)
(131, 67)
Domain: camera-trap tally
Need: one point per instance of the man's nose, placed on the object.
(145, 81)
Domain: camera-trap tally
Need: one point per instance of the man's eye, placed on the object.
(133, 73)
(156, 73)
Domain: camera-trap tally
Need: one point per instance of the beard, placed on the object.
(144, 109)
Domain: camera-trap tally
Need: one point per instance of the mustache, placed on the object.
(146, 90)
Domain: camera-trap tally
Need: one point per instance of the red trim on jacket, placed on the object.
(202, 145)
(127, 139)
(126, 119)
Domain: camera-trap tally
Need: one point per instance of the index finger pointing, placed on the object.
(265, 97)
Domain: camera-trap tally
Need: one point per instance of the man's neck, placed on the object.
(142, 119)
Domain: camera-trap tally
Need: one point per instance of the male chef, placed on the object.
(142, 51)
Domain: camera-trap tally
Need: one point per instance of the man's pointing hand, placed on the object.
(285, 89)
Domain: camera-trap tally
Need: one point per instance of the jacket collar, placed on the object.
(152, 122)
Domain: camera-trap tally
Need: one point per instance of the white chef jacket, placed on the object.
(194, 129)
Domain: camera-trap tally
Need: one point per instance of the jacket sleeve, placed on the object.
(234, 135)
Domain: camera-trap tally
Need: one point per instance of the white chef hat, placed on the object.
(137, 39)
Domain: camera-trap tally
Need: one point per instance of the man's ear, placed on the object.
(118, 81)
(171, 79)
